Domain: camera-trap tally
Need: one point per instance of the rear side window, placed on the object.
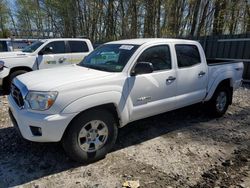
(78, 46)
(159, 56)
(187, 55)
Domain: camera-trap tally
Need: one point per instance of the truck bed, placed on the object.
(213, 62)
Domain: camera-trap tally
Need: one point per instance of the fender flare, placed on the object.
(99, 99)
(227, 76)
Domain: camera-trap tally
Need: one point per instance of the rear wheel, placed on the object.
(90, 136)
(220, 101)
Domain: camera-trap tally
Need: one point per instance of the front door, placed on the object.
(52, 55)
(153, 93)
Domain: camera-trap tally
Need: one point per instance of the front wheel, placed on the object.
(90, 136)
(220, 101)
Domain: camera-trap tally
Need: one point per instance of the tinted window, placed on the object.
(3, 46)
(78, 46)
(57, 47)
(187, 55)
(159, 56)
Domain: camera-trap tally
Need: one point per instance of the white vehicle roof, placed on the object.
(63, 39)
(147, 40)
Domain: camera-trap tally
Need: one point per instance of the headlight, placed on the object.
(41, 100)
(1, 65)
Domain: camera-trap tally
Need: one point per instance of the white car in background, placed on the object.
(42, 54)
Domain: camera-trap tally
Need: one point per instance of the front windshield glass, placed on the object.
(31, 48)
(109, 57)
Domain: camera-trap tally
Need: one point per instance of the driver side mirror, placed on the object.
(142, 68)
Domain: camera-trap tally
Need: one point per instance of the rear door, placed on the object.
(78, 50)
(192, 75)
(54, 54)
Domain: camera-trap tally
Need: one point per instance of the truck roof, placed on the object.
(147, 40)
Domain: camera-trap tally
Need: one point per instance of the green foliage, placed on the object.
(102, 20)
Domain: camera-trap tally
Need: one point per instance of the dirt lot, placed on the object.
(184, 148)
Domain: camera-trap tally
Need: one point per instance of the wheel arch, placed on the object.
(227, 82)
(14, 69)
(111, 107)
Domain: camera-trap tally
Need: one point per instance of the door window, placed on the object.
(78, 46)
(3, 46)
(187, 55)
(159, 56)
(57, 47)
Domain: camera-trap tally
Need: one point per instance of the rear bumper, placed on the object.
(52, 126)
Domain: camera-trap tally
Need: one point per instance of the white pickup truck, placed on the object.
(84, 105)
(42, 54)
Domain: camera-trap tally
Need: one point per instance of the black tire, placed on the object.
(70, 139)
(10, 79)
(216, 108)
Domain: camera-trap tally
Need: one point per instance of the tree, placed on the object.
(3, 19)
(104, 20)
(220, 6)
(247, 21)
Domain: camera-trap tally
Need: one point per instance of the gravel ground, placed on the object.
(183, 148)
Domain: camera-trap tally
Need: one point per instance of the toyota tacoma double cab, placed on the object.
(42, 54)
(84, 105)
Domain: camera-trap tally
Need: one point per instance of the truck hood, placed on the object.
(5, 55)
(50, 79)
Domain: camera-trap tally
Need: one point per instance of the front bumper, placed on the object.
(3, 73)
(52, 126)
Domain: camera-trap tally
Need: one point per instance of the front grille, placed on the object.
(17, 95)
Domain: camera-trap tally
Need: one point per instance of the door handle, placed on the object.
(170, 79)
(202, 73)
(62, 59)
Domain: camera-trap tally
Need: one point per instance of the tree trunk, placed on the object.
(248, 18)
(195, 17)
(149, 23)
(110, 21)
(220, 6)
(158, 23)
(171, 24)
(134, 18)
(202, 21)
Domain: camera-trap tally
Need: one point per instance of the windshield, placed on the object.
(31, 48)
(109, 57)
